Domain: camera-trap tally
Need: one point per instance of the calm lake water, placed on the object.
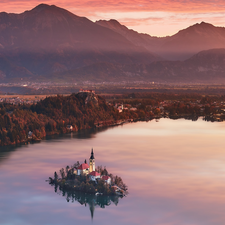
(174, 169)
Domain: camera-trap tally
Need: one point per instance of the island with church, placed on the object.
(88, 179)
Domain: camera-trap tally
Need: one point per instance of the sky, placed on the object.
(157, 18)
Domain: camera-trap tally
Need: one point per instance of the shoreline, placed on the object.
(105, 126)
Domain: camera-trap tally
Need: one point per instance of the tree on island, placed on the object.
(55, 176)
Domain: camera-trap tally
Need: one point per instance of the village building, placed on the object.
(30, 135)
(69, 127)
(133, 109)
(107, 179)
(94, 175)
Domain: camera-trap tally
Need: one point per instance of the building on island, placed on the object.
(107, 179)
(83, 169)
(94, 175)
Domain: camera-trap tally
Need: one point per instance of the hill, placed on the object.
(51, 116)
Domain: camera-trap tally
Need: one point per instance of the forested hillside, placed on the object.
(84, 110)
(52, 116)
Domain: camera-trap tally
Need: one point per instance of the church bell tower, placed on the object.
(92, 162)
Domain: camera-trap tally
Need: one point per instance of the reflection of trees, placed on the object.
(82, 134)
(6, 152)
(89, 199)
(90, 133)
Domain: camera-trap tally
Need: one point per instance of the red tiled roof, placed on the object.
(94, 173)
(105, 177)
(83, 166)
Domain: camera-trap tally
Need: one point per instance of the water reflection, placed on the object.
(85, 199)
(82, 134)
(174, 169)
(6, 151)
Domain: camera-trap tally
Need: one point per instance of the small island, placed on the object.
(88, 179)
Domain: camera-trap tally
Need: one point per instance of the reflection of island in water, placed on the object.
(89, 185)
(92, 200)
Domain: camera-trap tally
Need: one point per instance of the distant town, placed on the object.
(15, 100)
(107, 87)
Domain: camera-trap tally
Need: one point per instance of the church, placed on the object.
(85, 169)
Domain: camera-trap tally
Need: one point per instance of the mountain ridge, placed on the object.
(47, 39)
(51, 43)
(180, 46)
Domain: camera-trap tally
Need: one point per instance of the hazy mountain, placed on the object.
(144, 40)
(181, 46)
(185, 43)
(205, 67)
(10, 70)
(51, 43)
(48, 39)
(208, 64)
(49, 28)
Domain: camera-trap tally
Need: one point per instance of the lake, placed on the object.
(174, 170)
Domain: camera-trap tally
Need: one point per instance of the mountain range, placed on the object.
(181, 46)
(49, 43)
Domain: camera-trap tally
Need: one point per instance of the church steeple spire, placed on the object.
(92, 154)
(92, 161)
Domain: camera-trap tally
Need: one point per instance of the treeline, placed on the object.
(52, 116)
(156, 105)
(84, 110)
(157, 96)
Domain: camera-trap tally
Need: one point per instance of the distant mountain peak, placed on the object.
(203, 22)
(202, 25)
(112, 23)
(108, 21)
(40, 7)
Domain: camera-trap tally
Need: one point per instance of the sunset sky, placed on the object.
(157, 18)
